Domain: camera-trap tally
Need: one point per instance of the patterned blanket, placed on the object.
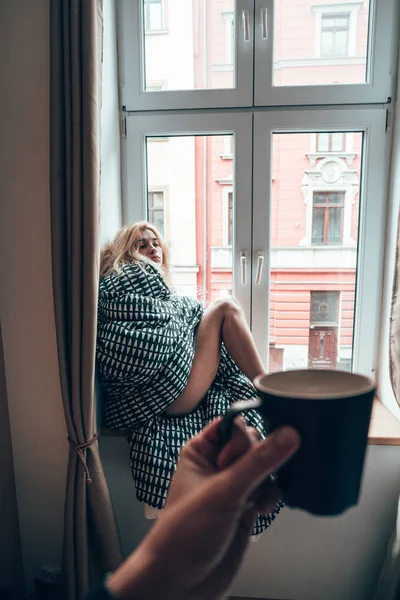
(145, 350)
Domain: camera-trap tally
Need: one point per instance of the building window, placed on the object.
(228, 147)
(331, 142)
(230, 219)
(153, 15)
(156, 204)
(327, 218)
(335, 34)
(324, 308)
(229, 37)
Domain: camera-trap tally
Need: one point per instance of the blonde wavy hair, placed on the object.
(124, 249)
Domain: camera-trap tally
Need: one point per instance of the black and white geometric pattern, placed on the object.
(145, 350)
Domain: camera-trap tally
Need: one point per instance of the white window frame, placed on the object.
(257, 52)
(377, 89)
(134, 175)
(373, 187)
(350, 8)
(131, 72)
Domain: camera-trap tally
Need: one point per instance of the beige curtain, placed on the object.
(91, 541)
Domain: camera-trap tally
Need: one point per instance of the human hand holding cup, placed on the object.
(331, 410)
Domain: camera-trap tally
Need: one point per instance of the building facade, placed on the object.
(314, 223)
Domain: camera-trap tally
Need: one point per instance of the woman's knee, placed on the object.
(227, 307)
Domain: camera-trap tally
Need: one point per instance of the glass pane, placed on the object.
(157, 218)
(335, 198)
(337, 142)
(319, 198)
(324, 307)
(195, 214)
(318, 45)
(314, 242)
(318, 220)
(156, 200)
(334, 225)
(181, 51)
(230, 218)
(323, 142)
(341, 47)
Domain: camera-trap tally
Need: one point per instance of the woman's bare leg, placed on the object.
(222, 321)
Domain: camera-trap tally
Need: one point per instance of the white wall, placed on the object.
(26, 303)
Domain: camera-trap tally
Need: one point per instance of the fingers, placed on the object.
(262, 459)
(242, 439)
(266, 496)
(206, 443)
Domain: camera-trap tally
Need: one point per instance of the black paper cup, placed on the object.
(331, 410)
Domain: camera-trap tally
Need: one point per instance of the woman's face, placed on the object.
(150, 247)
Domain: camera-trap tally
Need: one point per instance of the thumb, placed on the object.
(262, 459)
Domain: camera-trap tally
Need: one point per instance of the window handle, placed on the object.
(246, 25)
(243, 268)
(260, 265)
(264, 22)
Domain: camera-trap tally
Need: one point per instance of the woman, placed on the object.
(168, 366)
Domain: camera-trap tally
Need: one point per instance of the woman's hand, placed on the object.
(196, 547)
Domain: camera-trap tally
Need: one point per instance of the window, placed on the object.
(228, 148)
(221, 55)
(190, 199)
(230, 218)
(330, 142)
(293, 211)
(335, 34)
(153, 15)
(229, 37)
(324, 308)
(327, 217)
(156, 207)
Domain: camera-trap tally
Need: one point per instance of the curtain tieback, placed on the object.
(79, 449)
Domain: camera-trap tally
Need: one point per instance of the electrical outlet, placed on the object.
(49, 574)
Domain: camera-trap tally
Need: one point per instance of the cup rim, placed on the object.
(261, 386)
